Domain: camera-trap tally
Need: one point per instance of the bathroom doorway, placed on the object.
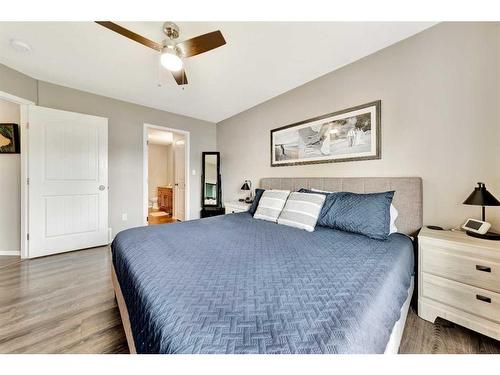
(165, 174)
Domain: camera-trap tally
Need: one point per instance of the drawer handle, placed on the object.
(483, 268)
(483, 298)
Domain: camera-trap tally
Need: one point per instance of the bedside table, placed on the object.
(459, 280)
(236, 206)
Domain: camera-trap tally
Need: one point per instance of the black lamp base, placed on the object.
(487, 236)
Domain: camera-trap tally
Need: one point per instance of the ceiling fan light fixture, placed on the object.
(170, 59)
(172, 52)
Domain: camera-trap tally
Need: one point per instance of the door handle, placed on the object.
(102, 187)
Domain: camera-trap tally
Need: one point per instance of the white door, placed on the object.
(68, 181)
(180, 179)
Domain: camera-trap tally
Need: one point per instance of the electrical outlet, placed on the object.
(124, 217)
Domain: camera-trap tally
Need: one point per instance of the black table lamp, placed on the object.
(247, 186)
(482, 197)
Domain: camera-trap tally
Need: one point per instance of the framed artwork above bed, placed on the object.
(349, 135)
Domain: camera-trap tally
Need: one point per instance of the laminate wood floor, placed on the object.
(65, 304)
(443, 337)
(7, 260)
(162, 218)
(60, 304)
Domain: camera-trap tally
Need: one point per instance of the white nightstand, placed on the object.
(236, 206)
(459, 280)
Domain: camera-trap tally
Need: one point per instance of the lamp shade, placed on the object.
(245, 186)
(481, 197)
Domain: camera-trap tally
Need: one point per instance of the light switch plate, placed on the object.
(124, 217)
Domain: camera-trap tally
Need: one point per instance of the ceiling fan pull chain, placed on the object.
(160, 81)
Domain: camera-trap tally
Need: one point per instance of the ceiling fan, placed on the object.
(172, 53)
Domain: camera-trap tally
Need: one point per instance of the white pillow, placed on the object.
(393, 213)
(271, 204)
(302, 210)
(394, 216)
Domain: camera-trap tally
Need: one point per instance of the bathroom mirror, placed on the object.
(211, 190)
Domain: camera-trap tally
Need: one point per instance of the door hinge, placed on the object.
(27, 125)
(147, 218)
(147, 143)
(28, 181)
(28, 236)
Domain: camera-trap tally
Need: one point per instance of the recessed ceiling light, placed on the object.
(20, 46)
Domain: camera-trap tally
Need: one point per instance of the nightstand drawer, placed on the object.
(235, 206)
(467, 298)
(473, 271)
(234, 210)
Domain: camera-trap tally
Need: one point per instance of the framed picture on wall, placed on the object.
(348, 135)
(9, 139)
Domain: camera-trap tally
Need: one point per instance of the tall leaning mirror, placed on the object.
(211, 187)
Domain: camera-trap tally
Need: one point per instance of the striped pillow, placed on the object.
(270, 205)
(302, 210)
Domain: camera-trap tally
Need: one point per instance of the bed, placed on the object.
(235, 284)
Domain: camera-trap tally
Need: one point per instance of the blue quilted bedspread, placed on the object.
(235, 284)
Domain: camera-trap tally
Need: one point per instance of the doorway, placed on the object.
(166, 166)
(68, 181)
(46, 227)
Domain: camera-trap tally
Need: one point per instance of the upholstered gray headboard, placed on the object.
(407, 197)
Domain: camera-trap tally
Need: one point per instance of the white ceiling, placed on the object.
(260, 60)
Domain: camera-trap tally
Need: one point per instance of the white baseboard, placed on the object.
(10, 253)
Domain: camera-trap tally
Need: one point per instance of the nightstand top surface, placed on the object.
(237, 204)
(457, 237)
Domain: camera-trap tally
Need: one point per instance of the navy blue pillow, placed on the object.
(367, 214)
(256, 199)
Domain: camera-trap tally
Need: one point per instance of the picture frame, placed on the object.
(9, 138)
(352, 134)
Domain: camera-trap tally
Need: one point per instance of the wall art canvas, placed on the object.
(9, 139)
(347, 135)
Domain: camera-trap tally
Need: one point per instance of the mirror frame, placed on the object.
(219, 191)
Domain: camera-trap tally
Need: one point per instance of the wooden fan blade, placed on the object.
(201, 44)
(180, 77)
(130, 34)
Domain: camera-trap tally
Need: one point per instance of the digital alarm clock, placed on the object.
(476, 226)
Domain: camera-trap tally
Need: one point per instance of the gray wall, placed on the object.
(18, 84)
(440, 119)
(125, 140)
